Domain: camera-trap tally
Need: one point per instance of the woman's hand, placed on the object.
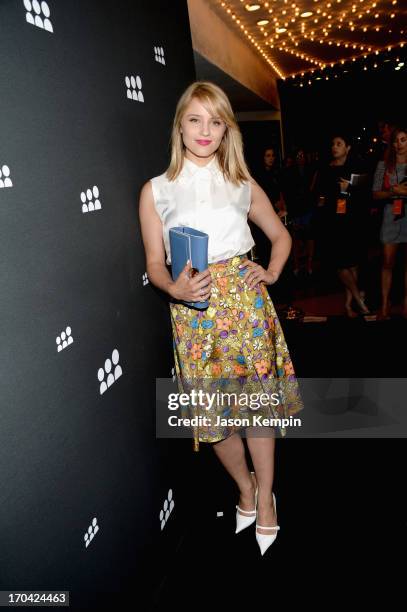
(190, 286)
(344, 184)
(257, 273)
(400, 189)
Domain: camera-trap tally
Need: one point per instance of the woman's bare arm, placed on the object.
(152, 234)
(263, 215)
(395, 190)
(381, 195)
(184, 288)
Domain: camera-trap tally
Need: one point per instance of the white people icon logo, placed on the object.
(38, 14)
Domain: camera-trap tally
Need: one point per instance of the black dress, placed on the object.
(269, 180)
(340, 235)
(296, 182)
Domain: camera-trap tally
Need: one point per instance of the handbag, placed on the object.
(188, 243)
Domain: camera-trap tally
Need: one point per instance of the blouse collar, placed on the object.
(210, 170)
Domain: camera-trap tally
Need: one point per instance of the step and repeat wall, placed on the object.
(87, 95)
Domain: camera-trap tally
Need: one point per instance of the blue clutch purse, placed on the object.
(188, 243)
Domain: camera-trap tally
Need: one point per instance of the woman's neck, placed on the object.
(401, 158)
(198, 161)
(338, 161)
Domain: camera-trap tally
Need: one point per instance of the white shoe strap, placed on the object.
(260, 527)
(251, 512)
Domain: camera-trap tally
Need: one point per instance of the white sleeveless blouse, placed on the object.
(201, 198)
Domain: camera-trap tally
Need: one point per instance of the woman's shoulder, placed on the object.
(159, 179)
(251, 186)
(159, 185)
(380, 165)
(325, 169)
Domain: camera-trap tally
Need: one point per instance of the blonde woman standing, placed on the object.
(237, 342)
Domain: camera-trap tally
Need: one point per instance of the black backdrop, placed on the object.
(73, 458)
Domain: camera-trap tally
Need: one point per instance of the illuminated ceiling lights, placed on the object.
(245, 29)
(306, 30)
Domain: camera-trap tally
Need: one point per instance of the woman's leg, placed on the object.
(348, 304)
(348, 279)
(389, 258)
(297, 252)
(348, 295)
(262, 454)
(231, 453)
(310, 255)
(405, 283)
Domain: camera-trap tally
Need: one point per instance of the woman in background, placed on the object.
(269, 179)
(341, 214)
(390, 187)
(296, 187)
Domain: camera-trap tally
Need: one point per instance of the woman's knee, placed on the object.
(388, 262)
(389, 256)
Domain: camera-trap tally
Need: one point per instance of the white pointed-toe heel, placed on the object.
(266, 540)
(245, 520)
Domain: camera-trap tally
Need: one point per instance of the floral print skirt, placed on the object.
(235, 353)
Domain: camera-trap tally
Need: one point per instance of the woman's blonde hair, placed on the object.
(230, 152)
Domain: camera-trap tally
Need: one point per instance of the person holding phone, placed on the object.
(236, 343)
